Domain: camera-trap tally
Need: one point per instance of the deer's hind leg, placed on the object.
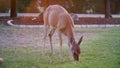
(44, 38)
(50, 37)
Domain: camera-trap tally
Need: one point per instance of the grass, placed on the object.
(100, 49)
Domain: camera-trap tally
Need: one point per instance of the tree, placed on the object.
(13, 12)
(107, 9)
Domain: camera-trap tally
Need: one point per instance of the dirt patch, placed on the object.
(92, 21)
(39, 21)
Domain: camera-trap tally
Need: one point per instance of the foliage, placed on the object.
(73, 6)
(26, 6)
(114, 6)
(4, 6)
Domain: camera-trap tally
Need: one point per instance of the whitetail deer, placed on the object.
(56, 17)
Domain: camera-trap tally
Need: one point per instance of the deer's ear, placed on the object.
(80, 40)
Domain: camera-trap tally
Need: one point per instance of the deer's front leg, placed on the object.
(50, 37)
(60, 38)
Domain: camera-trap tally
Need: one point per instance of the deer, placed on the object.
(57, 17)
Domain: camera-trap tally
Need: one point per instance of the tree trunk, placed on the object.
(13, 12)
(107, 9)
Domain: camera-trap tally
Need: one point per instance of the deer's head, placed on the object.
(75, 48)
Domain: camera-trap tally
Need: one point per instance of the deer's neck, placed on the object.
(71, 42)
(70, 36)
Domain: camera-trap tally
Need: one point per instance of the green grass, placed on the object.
(100, 49)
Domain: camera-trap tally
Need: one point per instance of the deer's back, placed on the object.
(57, 17)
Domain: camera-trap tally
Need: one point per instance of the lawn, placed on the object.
(22, 48)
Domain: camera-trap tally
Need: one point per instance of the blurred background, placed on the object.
(73, 6)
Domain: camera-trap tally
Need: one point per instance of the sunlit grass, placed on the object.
(100, 49)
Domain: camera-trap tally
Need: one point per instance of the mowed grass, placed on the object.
(100, 49)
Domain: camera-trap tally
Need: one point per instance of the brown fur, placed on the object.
(56, 17)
